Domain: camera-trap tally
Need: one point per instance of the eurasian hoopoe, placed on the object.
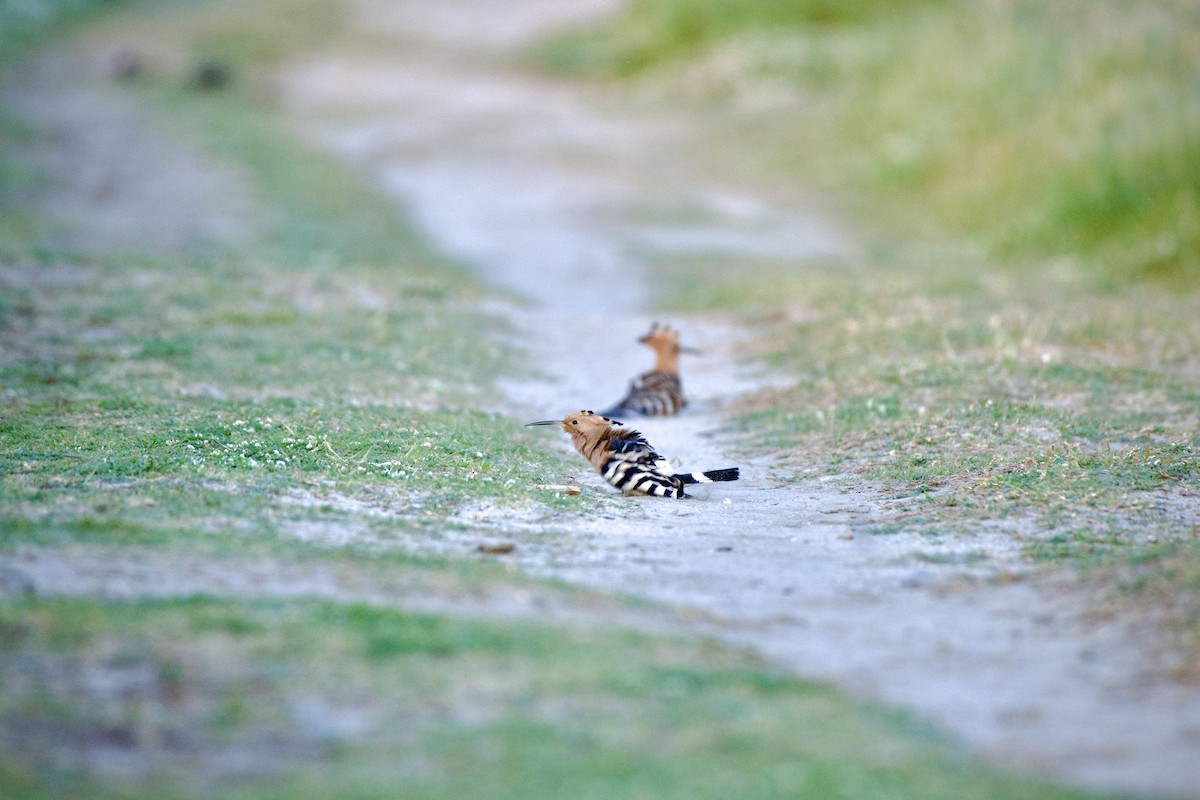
(625, 459)
(659, 392)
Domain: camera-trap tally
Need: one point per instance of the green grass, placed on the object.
(184, 463)
(1037, 131)
(652, 31)
(335, 347)
(1080, 418)
(364, 702)
(25, 23)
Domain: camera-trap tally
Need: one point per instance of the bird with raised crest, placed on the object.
(659, 392)
(626, 460)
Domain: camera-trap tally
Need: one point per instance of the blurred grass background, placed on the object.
(26, 23)
(1036, 130)
(300, 699)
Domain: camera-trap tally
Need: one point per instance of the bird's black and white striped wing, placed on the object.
(653, 394)
(634, 467)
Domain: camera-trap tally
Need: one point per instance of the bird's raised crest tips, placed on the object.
(664, 337)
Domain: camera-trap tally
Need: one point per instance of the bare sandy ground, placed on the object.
(554, 193)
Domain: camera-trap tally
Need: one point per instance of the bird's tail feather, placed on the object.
(730, 474)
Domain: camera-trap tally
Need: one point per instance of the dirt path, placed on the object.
(557, 194)
(547, 190)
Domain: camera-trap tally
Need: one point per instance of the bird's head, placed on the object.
(581, 424)
(665, 341)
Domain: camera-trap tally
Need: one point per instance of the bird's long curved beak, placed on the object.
(544, 422)
(695, 351)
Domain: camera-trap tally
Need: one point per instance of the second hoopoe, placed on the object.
(626, 460)
(658, 392)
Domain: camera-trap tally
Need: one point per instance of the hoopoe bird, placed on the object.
(659, 392)
(626, 460)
